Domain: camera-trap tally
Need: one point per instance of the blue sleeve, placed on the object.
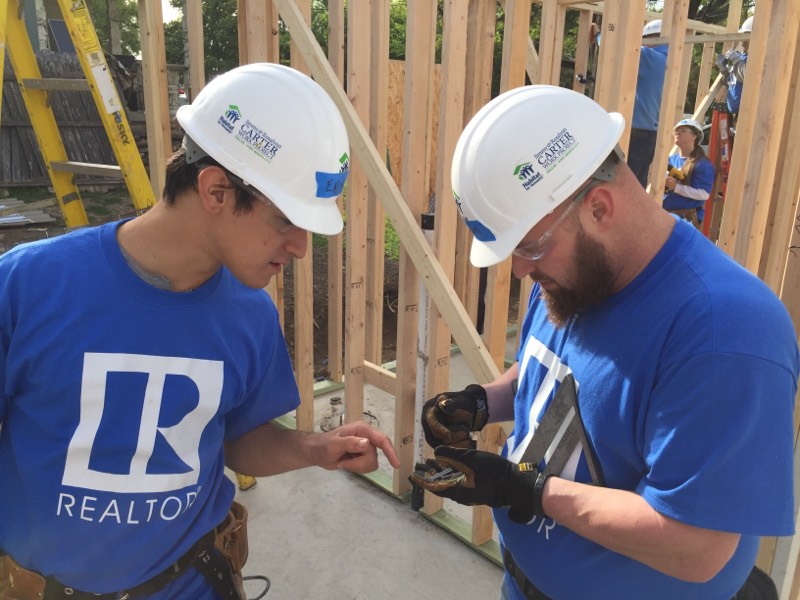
(703, 175)
(5, 339)
(718, 439)
(273, 395)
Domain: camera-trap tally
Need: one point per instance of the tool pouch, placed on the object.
(17, 583)
(231, 542)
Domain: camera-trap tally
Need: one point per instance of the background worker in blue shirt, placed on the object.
(649, 85)
(732, 64)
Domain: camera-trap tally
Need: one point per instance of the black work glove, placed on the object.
(450, 417)
(475, 477)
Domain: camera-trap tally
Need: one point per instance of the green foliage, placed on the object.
(391, 242)
(220, 40)
(173, 42)
(128, 17)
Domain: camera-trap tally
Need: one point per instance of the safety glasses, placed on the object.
(276, 217)
(605, 172)
(537, 249)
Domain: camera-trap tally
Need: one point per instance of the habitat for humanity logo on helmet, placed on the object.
(558, 148)
(527, 175)
(228, 120)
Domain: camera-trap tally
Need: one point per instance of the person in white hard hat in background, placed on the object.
(140, 358)
(647, 105)
(732, 65)
(690, 177)
(653, 392)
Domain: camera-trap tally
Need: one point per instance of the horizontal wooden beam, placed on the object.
(701, 39)
(598, 8)
(23, 208)
(381, 378)
(81, 168)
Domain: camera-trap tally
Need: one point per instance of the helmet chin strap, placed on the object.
(194, 152)
(195, 155)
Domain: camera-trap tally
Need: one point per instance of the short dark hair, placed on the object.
(182, 177)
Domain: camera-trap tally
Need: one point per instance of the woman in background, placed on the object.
(691, 174)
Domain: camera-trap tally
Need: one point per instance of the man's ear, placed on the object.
(214, 189)
(600, 202)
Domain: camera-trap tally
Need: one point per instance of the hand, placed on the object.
(670, 183)
(353, 447)
(594, 31)
(476, 477)
(722, 64)
(450, 417)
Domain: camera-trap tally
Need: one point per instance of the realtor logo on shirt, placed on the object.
(162, 453)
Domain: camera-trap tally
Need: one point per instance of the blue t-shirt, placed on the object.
(686, 381)
(116, 400)
(702, 177)
(649, 87)
(733, 96)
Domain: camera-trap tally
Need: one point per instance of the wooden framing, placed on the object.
(303, 282)
(379, 99)
(358, 71)
(154, 74)
(417, 118)
(336, 51)
(760, 210)
(674, 27)
(194, 28)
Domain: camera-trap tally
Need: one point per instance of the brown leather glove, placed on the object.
(449, 418)
(476, 477)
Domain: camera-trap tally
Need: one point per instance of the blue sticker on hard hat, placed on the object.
(527, 175)
(228, 120)
(558, 148)
(478, 229)
(330, 185)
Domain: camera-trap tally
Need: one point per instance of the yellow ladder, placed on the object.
(34, 89)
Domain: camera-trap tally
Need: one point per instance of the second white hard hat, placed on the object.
(690, 123)
(652, 28)
(277, 130)
(747, 26)
(521, 156)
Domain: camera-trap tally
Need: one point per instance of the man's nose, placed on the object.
(521, 267)
(297, 242)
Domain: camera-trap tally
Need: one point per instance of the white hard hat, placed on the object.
(521, 156)
(747, 26)
(277, 130)
(691, 123)
(652, 28)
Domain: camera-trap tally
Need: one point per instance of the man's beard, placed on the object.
(593, 279)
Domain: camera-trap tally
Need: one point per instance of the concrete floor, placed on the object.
(325, 535)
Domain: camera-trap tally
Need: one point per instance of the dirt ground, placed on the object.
(102, 204)
(320, 276)
(105, 204)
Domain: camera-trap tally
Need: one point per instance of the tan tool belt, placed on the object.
(230, 540)
(17, 583)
